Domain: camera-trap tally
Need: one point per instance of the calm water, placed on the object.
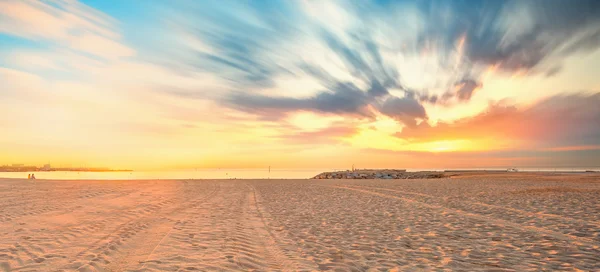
(222, 173)
(184, 174)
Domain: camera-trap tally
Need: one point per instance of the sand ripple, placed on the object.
(514, 223)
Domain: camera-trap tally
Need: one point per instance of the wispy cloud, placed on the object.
(455, 44)
(514, 35)
(66, 23)
(346, 99)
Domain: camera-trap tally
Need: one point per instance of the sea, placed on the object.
(254, 173)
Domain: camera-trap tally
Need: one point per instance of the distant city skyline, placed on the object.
(154, 85)
(19, 167)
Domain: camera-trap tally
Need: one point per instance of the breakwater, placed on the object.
(379, 174)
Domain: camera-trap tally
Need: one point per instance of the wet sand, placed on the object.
(469, 222)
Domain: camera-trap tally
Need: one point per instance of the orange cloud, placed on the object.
(558, 123)
(573, 148)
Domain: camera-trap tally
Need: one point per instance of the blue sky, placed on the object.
(207, 83)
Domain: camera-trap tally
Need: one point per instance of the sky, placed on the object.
(151, 85)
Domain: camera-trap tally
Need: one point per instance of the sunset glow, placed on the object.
(195, 84)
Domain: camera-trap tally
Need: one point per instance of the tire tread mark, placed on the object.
(486, 205)
(280, 259)
(499, 222)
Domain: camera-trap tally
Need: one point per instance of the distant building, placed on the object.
(18, 165)
(46, 167)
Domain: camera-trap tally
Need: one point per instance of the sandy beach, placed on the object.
(491, 222)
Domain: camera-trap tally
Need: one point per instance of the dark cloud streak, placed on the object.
(406, 110)
(346, 99)
(514, 35)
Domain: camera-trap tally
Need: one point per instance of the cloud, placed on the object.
(68, 24)
(466, 88)
(514, 35)
(21, 85)
(250, 52)
(462, 91)
(344, 99)
(100, 46)
(544, 159)
(246, 44)
(556, 122)
(235, 74)
(375, 71)
(235, 53)
(406, 110)
(341, 98)
(250, 45)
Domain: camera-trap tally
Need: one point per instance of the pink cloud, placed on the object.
(100, 46)
(66, 23)
(558, 123)
(573, 148)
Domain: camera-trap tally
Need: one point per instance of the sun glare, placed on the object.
(442, 146)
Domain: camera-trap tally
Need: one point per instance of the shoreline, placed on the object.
(446, 175)
(59, 170)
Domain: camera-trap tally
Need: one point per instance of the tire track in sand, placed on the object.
(210, 195)
(32, 246)
(114, 249)
(276, 258)
(498, 222)
(231, 233)
(533, 214)
(247, 244)
(145, 242)
(550, 222)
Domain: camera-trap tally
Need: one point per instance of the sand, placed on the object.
(503, 222)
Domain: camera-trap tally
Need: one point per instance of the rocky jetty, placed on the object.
(378, 174)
